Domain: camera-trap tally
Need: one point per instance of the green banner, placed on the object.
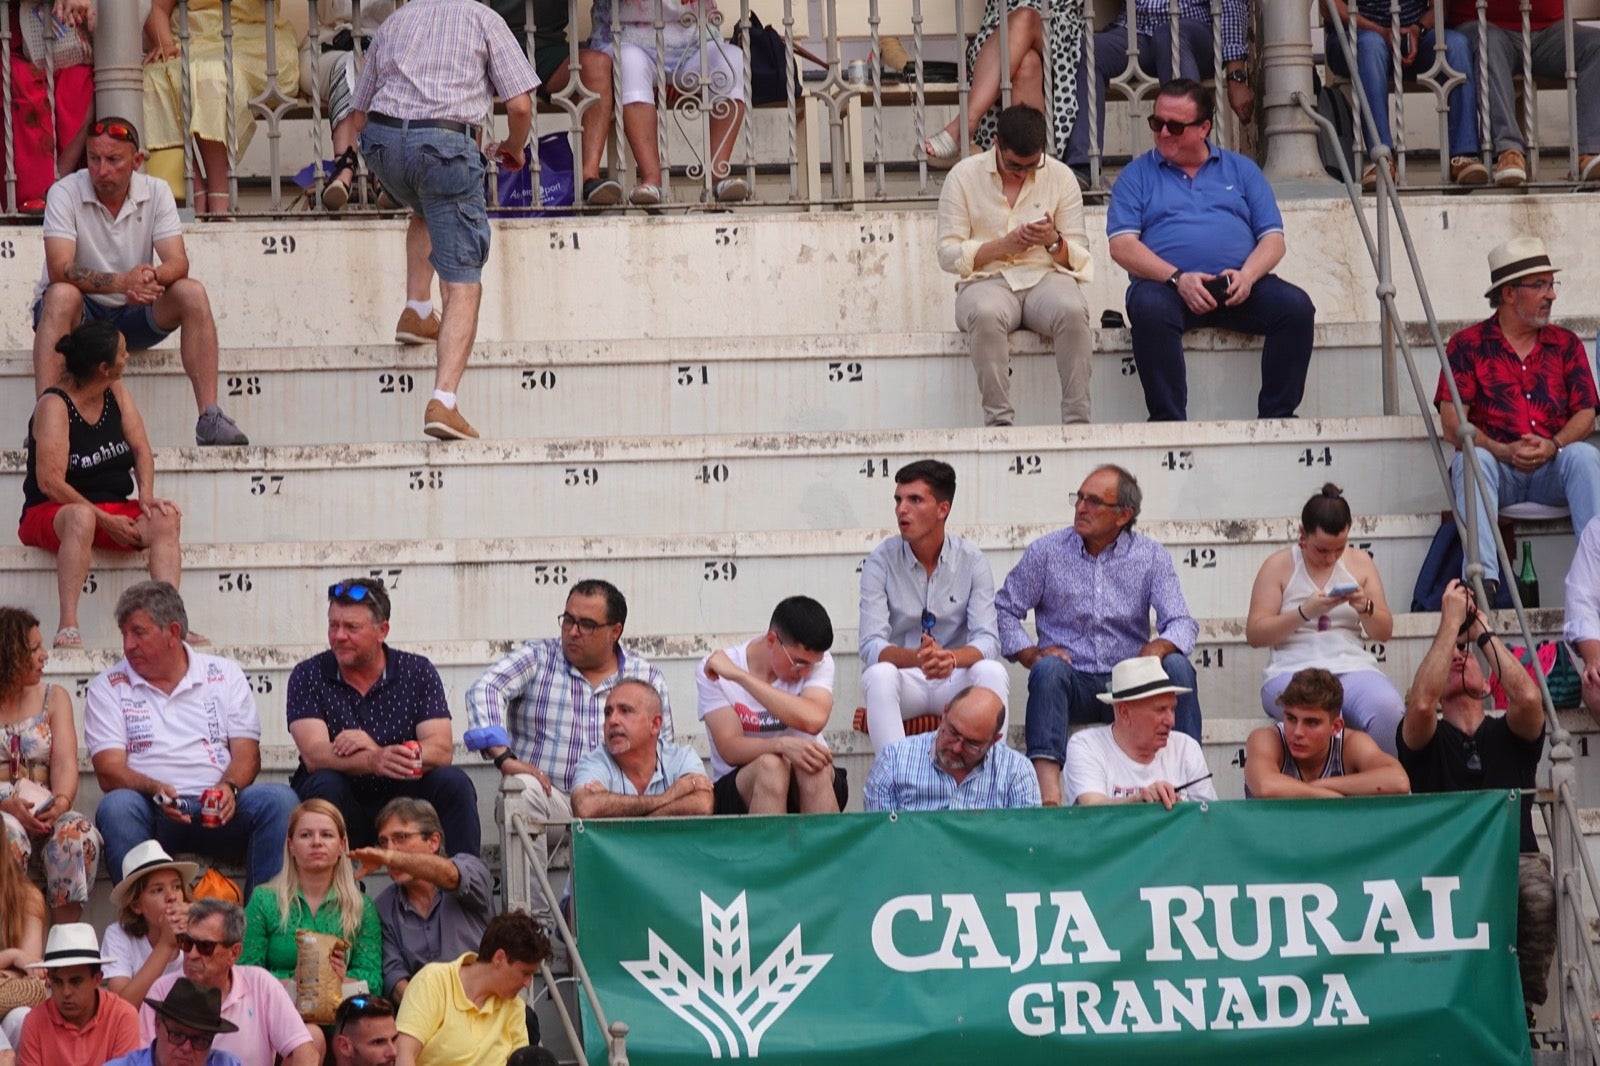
(1371, 931)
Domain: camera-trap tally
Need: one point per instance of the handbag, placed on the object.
(1560, 675)
(516, 186)
(45, 36)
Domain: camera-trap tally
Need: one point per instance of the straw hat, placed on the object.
(72, 944)
(1517, 258)
(143, 859)
(1134, 679)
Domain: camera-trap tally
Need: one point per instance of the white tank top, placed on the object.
(1331, 641)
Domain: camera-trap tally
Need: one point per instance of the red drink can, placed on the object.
(211, 807)
(416, 753)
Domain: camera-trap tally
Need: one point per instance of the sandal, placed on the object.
(67, 637)
(942, 149)
(336, 193)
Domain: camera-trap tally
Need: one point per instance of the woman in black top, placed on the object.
(87, 451)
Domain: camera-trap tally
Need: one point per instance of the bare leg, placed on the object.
(1049, 773)
(74, 528)
(639, 126)
(212, 158)
(816, 792)
(59, 314)
(161, 535)
(594, 71)
(419, 272)
(1025, 34)
(764, 784)
(185, 306)
(458, 327)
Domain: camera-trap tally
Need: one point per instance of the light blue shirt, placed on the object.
(672, 762)
(904, 777)
(145, 1057)
(895, 590)
(1208, 223)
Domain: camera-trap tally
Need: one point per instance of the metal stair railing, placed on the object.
(1577, 883)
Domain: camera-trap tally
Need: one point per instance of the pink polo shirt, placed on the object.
(257, 1003)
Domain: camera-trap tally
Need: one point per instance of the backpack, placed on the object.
(1334, 105)
(769, 82)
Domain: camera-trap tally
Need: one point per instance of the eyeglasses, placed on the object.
(968, 745)
(396, 839)
(1173, 127)
(198, 1041)
(587, 626)
(797, 667)
(357, 1007)
(928, 621)
(187, 943)
(1094, 503)
(1474, 764)
(1013, 167)
(116, 131)
(354, 591)
(1538, 286)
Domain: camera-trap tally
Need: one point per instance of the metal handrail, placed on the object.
(1574, 981)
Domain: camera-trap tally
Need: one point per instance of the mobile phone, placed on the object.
(1218, 288)
(44, 805)
(1344, 589)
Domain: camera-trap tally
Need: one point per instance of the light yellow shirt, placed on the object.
(452, 1031)
(973, 211)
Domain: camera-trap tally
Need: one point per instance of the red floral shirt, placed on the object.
(1507, 396)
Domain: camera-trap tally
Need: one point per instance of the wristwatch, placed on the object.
(1055, 246)
(1173, 281)
(1241, 76)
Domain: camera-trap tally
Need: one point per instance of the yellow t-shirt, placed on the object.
(452, 1031)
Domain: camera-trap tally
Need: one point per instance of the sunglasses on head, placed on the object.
(119, 131)
(357, 1007)
(353, 591)
(1171, 125)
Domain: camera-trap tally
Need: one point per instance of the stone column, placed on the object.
(1286, 66)
(118, 77)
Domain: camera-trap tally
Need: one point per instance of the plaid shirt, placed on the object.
(552, 714)
(1411, 11)
(1153, 19)
(442, 59)
(904, 777)
(1506, 396)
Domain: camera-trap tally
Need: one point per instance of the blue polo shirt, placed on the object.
(1208, 223)
(409, 692)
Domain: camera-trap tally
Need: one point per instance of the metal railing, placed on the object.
(1578, 991)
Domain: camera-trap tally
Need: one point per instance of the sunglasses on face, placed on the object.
(207, 948)
(1173, 127)
(198, 1041)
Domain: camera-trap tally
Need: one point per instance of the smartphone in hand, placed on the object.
(1218, 288)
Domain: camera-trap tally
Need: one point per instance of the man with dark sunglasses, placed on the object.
(1199, 232)
(264, 1025)
(103, 226)
(372, 723)
(1447, 743)
(1011, 230)
(364, 1032)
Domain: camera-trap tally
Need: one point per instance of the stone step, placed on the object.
(445, 590)
(376, 392)
(732, 483)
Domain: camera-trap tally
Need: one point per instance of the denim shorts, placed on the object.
(136, 324)
(439, 174)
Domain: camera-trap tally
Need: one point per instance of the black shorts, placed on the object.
(726, 799)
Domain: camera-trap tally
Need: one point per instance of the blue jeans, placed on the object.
(1280, 311)
(1059, 695)
(439, 175)
(1571, 480)
(1195, 61)
(257, 831)
(448, 788)
(1374, 57)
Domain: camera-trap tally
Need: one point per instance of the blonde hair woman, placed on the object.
(316, 890)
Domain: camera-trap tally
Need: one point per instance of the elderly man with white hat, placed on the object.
(1138, 758)
(1528, 393)
(81, 1024)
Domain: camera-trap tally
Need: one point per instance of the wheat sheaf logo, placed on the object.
(730, 1004)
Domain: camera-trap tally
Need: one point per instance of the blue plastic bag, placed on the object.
(555, 182)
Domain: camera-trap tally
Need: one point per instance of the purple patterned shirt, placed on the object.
(1097, 607)
(552, 713)
(443, 59)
